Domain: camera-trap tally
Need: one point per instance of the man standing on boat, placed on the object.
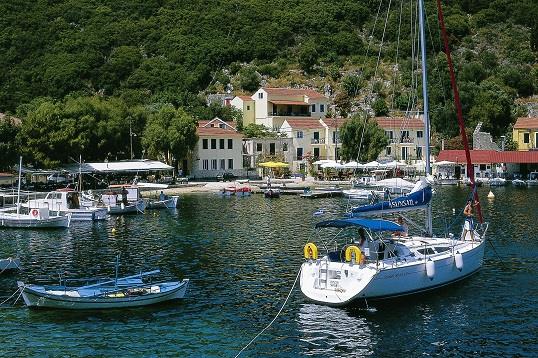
(124, 196)
(468, 224)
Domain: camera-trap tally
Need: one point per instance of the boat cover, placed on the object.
(371, 224)
(414, 200)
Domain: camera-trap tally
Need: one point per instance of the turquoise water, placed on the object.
(242, 256)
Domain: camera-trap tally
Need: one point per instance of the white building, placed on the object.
(218, 151)
(267, 149)
(308, 140)
(406, 137)
(274, 105)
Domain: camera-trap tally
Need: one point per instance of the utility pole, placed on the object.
(131, 137)
(335, 140)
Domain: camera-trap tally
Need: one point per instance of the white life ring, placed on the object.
(34, 213)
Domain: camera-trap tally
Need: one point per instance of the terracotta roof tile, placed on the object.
(335, 123)
(526, 123)
(304, 123)
(489, 156)
(399, 122)
(216, 131)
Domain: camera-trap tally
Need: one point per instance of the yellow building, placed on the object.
(246, 105)
(525, 133)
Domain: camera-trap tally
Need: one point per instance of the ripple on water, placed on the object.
(242, 256)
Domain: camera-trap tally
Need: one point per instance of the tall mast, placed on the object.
(426, 105)
(19, 187)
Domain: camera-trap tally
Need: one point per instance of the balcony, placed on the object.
(288, 114)
(317, 141)
(401, 140)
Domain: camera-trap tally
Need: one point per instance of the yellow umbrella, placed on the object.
(274, 165)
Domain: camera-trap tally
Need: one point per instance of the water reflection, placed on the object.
(328, 331)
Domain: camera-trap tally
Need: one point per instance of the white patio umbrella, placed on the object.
(323, 161)
(371, 165)
(333, 164)
(353, 165)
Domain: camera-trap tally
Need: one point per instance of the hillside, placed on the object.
(164, 51)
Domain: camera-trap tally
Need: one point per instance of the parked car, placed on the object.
(226, 177)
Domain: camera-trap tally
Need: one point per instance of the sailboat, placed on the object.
(383, 261)
(36, 218)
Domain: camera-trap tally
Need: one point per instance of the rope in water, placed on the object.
(19, 290)
(274, 319)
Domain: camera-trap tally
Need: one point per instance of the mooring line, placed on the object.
(274, 319)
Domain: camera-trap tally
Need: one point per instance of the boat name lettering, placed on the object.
(401, 203)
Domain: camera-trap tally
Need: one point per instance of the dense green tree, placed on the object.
(380, 107)
(257, 131)
(362, 139)
(249, 79)
(9, 147)
(170, 134)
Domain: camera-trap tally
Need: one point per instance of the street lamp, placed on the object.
(131, 134)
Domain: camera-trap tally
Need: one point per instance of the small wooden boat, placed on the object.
(519, 182)
(9, 264)
(130, 203)
(124, 292)
(35, 219)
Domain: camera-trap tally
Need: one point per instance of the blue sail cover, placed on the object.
(372, 224)
(412, 201)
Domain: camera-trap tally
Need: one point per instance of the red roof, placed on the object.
(335, 123)
(304, 123)
(400, 122)
(293, 92)
(489, 156)
(246, 98)
(526, 123)
(205, 129)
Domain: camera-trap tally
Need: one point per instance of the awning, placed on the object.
(371, 224)
(116, 167)
(274, 165)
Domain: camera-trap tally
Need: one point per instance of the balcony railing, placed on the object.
(401, 140)
(317, 141)
(288, 114)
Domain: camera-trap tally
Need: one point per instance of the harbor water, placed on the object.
(243, 256)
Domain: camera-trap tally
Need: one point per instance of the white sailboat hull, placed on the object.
(346, 283)
(88, 214)
(137, 207)
(170, 203)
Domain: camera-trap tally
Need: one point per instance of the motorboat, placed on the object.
(163, 202)
(239, 189)
(271, 192)
(497, 182)
(123, 199)
(363, 194)
(126, 292)
(519, 183)
(35, 218)
(68, 201)
(533, 179)
(386, 266)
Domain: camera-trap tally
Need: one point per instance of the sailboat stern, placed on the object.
(334, 283)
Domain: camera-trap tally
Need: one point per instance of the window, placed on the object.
(316, 152)
(404, 135)
(336, 137)
(204, 143)
(248, 108)
(213, 144)
(230, 144)
(322, 108)
(526, 138)
(284, 147)
(300, 134)
(213, 164)
(259, 147)
(222, 164)
(536, 139)
(420, 134)
(230, 163)
(405, 153)
(260, 95)
(222, 125)
(419, 152)
(314, 107)
(271, 148)
(388, 150)
(389, 134)
(221, 143)
(299, 153)
(482, 166)
(205, 164)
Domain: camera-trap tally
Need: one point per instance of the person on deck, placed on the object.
(162, 197)
(402, 223)
(363, 245)
(468, 213)
(124, 195)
